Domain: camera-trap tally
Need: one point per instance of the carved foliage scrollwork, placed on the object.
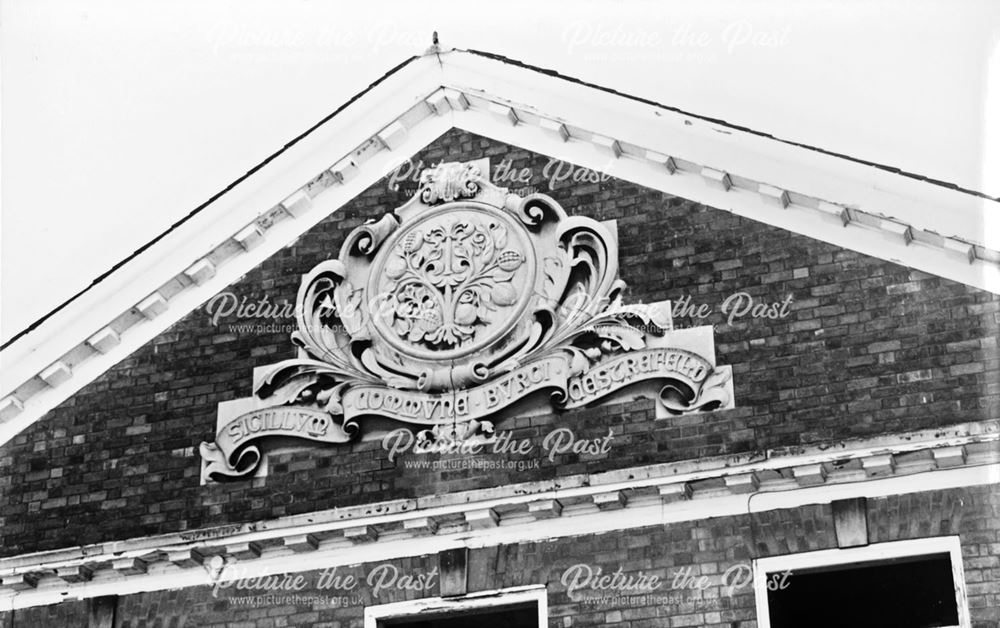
(442, 279)
(464, 291)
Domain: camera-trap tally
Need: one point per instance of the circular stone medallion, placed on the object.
(452, 282)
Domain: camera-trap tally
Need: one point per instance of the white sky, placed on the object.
(120, 117)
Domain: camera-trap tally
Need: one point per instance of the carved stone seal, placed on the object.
(452, 307)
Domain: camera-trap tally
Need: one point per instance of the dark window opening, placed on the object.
(520, 616)
(913, 592)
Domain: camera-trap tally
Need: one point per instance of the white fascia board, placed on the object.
(278, 236)
(807, 222)
(924, 205)
(219, 221)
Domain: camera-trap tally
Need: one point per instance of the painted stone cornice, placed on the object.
(961, 455)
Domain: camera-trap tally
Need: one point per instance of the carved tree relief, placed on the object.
(460, 287)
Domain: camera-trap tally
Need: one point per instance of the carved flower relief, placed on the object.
(416, 314)
(444, 282)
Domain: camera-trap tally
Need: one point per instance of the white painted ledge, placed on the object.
(643, 496)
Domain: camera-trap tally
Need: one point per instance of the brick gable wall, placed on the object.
(868, 348)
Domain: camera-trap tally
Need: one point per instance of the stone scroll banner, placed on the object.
(689, 383)
(235, 453)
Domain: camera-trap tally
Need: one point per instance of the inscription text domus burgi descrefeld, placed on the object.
(453, 307)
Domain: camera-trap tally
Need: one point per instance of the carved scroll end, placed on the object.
(216, 467)
(366, 239)
(537, 210)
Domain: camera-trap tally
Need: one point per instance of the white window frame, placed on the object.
(499, 598)
(880, 551)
